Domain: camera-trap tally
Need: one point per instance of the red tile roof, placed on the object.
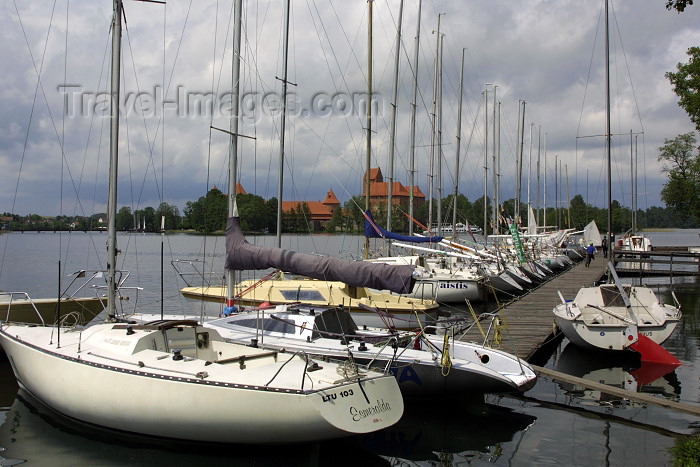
(319, 211)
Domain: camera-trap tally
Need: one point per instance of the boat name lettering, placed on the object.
(378, 408)
(453, 285)
(334, 396)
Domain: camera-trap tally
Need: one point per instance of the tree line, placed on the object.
(208, 214)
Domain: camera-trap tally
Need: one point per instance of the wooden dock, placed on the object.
(529, 320)
(661, 261)
(529, 327)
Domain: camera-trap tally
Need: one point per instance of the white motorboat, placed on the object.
(424, 364)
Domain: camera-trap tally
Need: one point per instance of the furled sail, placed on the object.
(373, 230)
(242, 256)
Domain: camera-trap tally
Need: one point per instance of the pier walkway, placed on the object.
(530, 326)
(529, 321)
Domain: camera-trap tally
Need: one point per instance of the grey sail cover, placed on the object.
(242, 256)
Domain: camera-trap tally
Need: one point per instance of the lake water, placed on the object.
(552, 424)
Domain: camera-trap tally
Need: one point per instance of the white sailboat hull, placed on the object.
(423, 370)
(150, 393)
(595, 319)
(447, 290)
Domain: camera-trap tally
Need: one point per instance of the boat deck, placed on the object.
(529, 321)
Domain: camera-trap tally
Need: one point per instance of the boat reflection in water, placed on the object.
(451, 431)
(446, 432)
(32, 433)
(622, 371)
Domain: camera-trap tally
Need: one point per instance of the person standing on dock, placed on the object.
(604, 246)
(590, 254)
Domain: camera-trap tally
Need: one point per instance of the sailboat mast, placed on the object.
(368, 159)
(414, 106)
(519, 183)
(634, 185)
(494, 196)
(544, 184)
(433, 126)
(392, 137)
(233, 148)
(113, 159)
(459, 140)
(486, 161)
(439, 144)
(607, 122)
(280, 179)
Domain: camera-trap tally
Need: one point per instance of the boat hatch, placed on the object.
(611, 295)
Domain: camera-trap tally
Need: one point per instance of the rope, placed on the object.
(445, 361)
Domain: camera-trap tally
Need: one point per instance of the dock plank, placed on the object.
(528, 318)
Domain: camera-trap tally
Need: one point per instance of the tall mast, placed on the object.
(494, 196)
(392, 137)
(439, 143)
(433, 126)
(280, 179)
(414, 106)
(486, 160)
(634, 183)
(544, 184)
(233, 144)
(368, 159)
(520, 167)
(459, 140)
(113, 159)
(539, 146)
(607, 120)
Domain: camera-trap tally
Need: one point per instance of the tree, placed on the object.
(171, 214)
(686, 83)
(354, 207)
(125, 220)
(678, 5)
(337, 222)
(682, 163)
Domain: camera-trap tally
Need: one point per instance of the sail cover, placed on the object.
(242, 256)
(373, 230)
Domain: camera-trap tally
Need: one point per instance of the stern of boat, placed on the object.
(362, 407)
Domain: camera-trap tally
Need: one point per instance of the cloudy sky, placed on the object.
(177, 79)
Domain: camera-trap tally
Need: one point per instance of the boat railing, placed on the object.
(11, 298)
(193, 272)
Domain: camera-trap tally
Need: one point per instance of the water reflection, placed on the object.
(622, 371)
(32, 433)
(448, 431)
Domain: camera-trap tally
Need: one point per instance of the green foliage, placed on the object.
(354, 208)
(678, 5)
(337, 222)
(125, 220)
(686, 83)
(686, 452)
(171, 214)
(682, 163)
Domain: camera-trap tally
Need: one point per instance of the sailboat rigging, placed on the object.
(176, 379)
(613, 317)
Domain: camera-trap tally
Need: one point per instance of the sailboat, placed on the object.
(616, 317)
(370, 305)
(424, 364)
(176, 379)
